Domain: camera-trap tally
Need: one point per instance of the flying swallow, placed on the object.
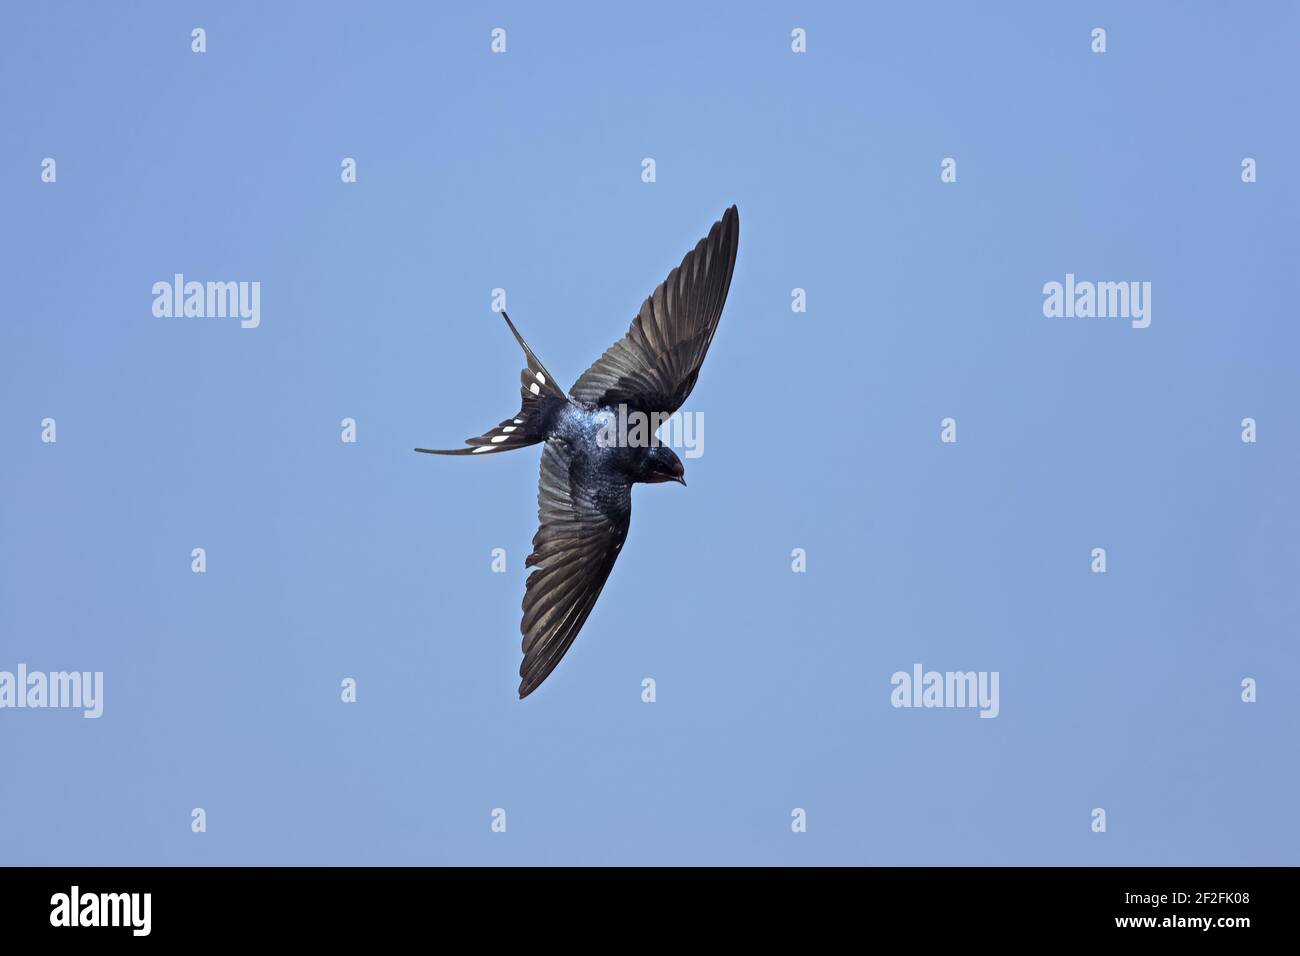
(584, 497)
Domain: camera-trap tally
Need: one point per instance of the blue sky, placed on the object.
(522, 171)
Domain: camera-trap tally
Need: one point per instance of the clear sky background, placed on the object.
(475, 171)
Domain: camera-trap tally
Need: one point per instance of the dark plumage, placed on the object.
(584, 497)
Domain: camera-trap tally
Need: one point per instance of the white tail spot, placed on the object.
(508, 429)
(534, 389)
(499, 439)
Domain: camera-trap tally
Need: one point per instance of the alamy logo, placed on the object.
(102, 909)
(635, 429)
(209, 300)
(946, 689)
(1098, 300)
(82, 689)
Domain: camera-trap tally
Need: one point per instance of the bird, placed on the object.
(584, 495)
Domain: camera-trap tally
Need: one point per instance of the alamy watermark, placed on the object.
(628, 428)
(922, 688)
(67, 689)
(209, 300)
(1098, 300)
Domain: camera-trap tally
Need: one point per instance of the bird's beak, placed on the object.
(680, 481)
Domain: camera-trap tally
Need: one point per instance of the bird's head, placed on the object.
(662, 464)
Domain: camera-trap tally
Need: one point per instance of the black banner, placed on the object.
(236, 904)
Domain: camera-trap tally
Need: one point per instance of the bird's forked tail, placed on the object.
(528, 426)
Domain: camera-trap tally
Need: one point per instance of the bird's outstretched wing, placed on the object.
(654, 367)
(583, 524)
